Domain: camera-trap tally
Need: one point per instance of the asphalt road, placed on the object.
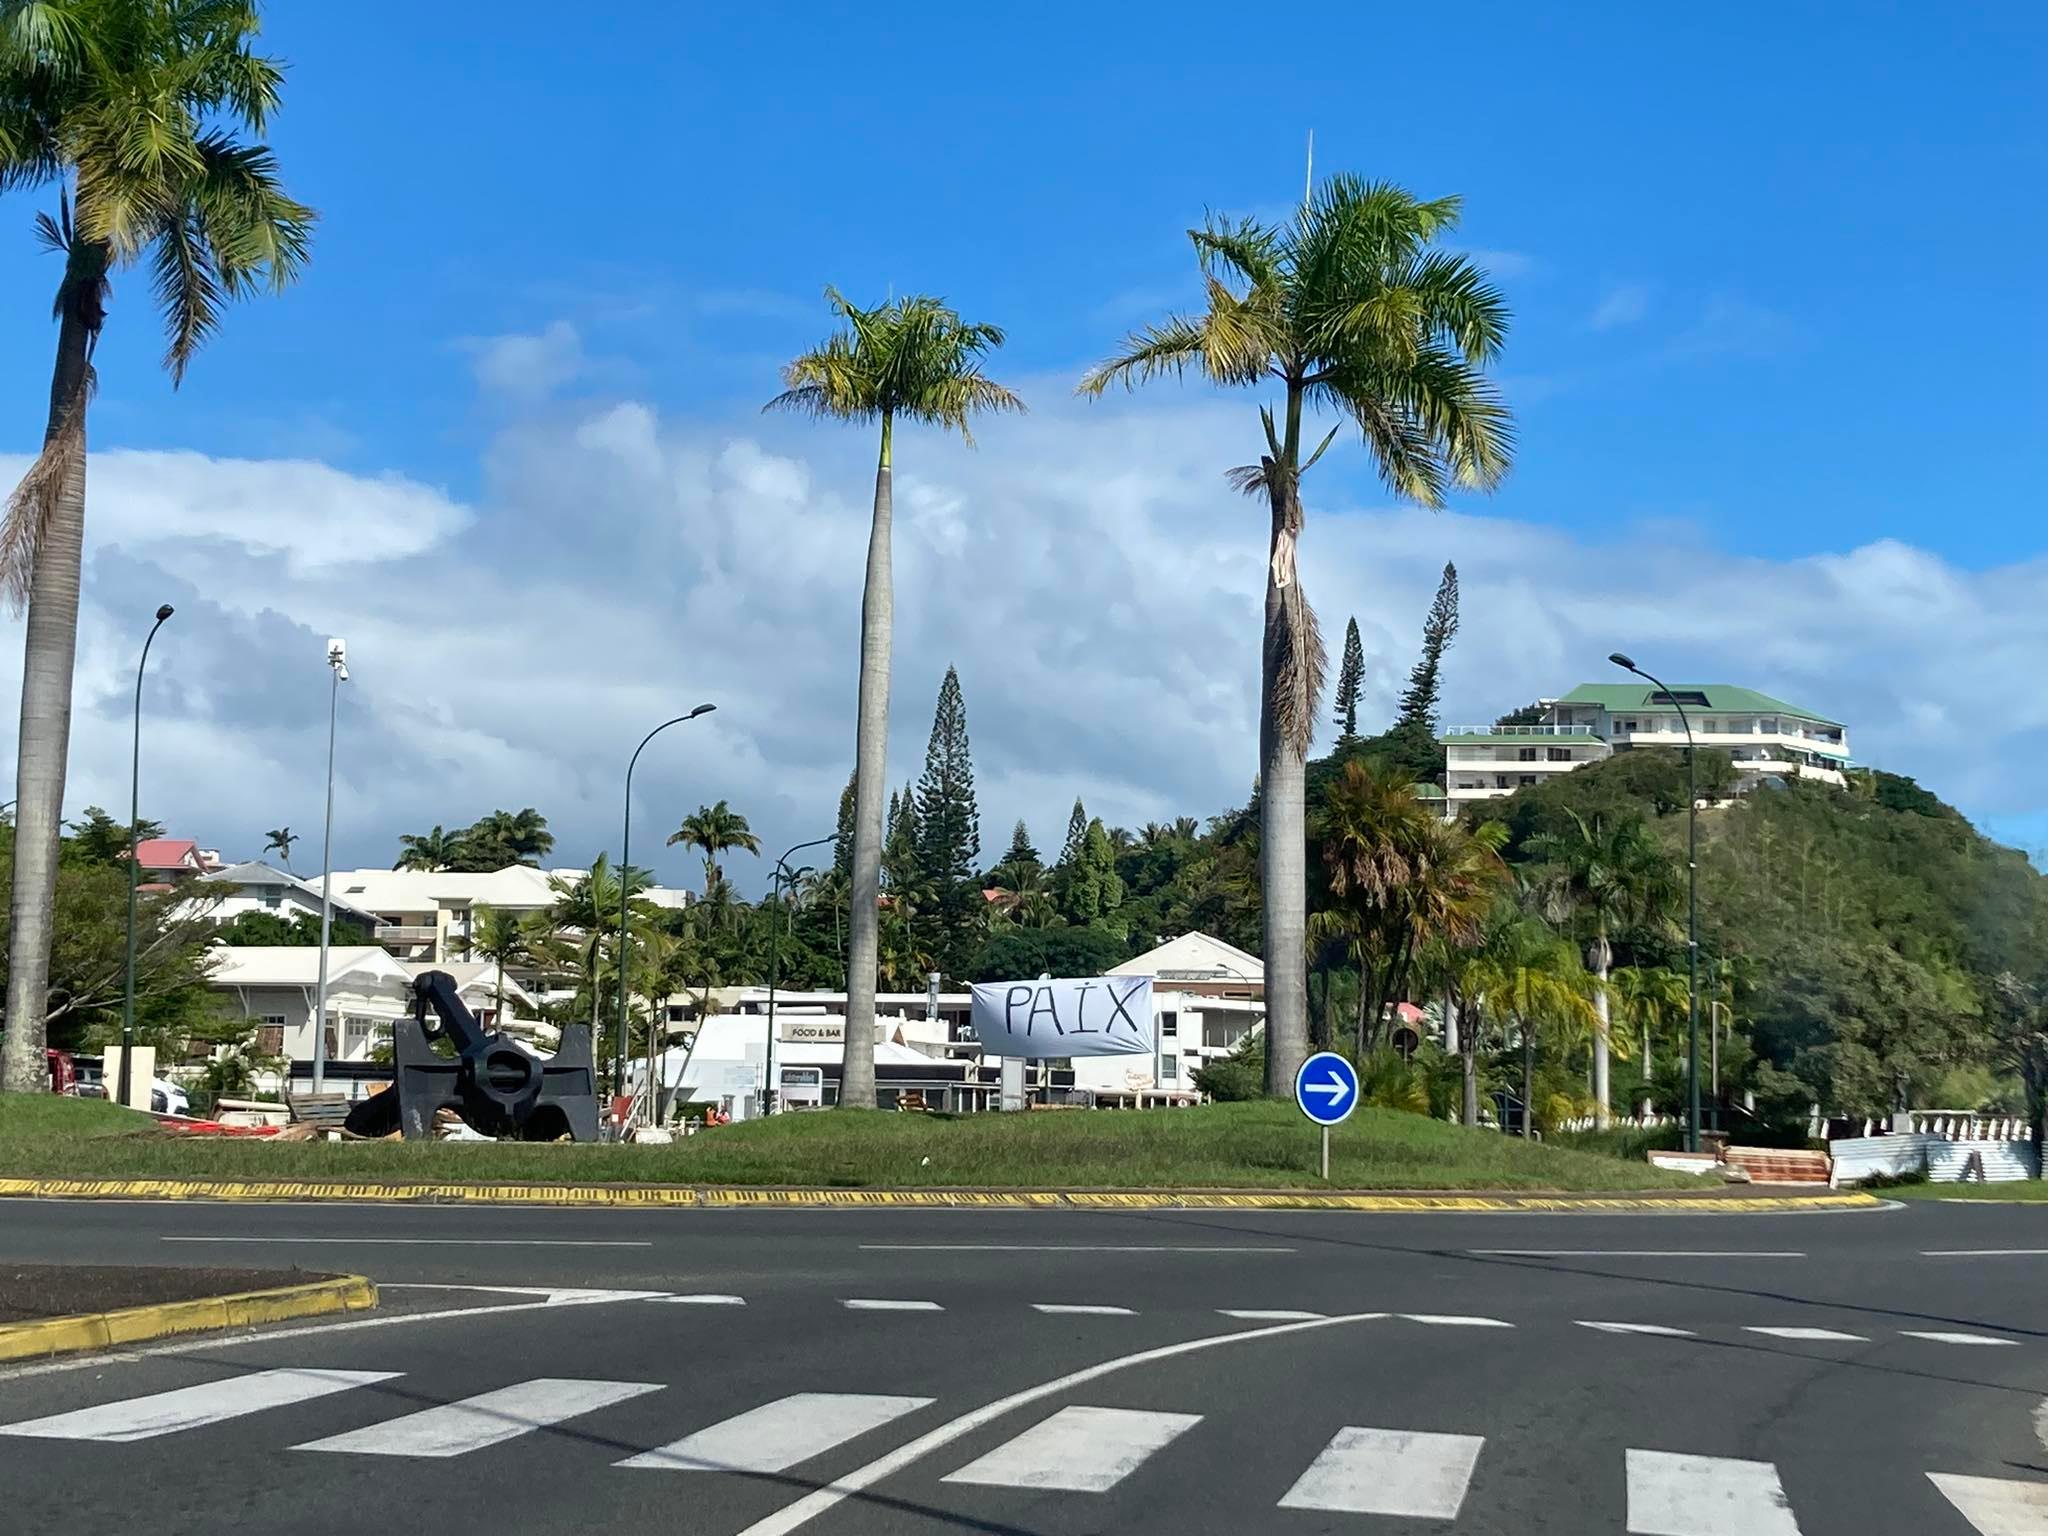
(1063, 1372)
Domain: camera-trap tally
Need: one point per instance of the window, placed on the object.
(1560, 754)
(270, 1035)
(1169, 1026)
(1525, 755)
(1169, 1068)
(1767, 727)
(1624, 725)
(1500, 781)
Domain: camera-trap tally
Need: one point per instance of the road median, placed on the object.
(323, 1295)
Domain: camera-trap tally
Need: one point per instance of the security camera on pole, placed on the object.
(337, 663)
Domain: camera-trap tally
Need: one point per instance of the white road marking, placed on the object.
(1705, 1496)
(1058, 1248)
(780, 1434)
(794, 1515)
(1655, 1330)
(164, 1413)
(708, 1300)
(1072, 1309)
(1631, 1253)
(1996, 1506)
(558, 1296)
(1984, 1253)
(1388, 1472)
(872, 1304)
(1453, 1320)
(1270, 1315)
(1810, 1335)
(432, 1242)
(1956, 1338)
(1078, 1450)
(489, 1418)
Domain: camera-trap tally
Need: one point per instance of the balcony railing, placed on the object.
(1520, 730)
(404, 933)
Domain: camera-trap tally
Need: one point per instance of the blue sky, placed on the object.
(1773, 270)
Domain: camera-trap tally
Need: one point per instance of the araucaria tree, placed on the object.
(146, 116)
(916, 360)
(1419, 700)
(1344, 309)
(949, 832)
(1350, 678)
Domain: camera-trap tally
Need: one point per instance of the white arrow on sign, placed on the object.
(1334, 1090)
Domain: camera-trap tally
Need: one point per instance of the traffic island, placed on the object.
(40, 1303)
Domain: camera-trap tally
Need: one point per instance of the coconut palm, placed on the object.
(146, 119)
(428, 851)
(716, 829)
(1344, 308)
(586, 913)
(913, 359)
(281, 839)
(1603, 876)
(1645, 997)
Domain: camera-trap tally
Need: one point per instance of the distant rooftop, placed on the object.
(1720, 698)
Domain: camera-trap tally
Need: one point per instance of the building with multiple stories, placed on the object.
(1765, 737)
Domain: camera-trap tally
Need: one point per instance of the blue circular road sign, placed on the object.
(1326, 1088)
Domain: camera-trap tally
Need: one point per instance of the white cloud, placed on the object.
(1088, 571)
(1502, 265)
(1624, 304)
(528, 368)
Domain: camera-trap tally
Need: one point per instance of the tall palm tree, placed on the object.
(504, 938)
(428, 851)
(716, 829)
(1603, 876)
(914, 359)
(281, 839)
(1345, 308)
(1646, 996)
(147, 119)
(586, 915)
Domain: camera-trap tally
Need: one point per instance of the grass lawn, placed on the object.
(2025, 1189)
(1219, 1146)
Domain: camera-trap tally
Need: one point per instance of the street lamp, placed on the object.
(1692, 920)
(625, 906)
(337, 664)
(781, 877)
(134, 817)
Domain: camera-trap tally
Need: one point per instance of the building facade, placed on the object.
(1765, 737)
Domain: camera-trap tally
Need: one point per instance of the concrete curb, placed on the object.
(133, 1325)
(647, 1196)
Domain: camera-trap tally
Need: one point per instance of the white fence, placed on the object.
(1944, 1161)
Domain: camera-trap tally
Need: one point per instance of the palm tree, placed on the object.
(281, 839)
(916, 359)
(1524, 974)
(504, 838)
(1344, 308)
(715, 829)
(504, 938)
(145, 117)
(1647, 996)
(586, 910)
(1603, 877)
(1028, 900)
(428, 851)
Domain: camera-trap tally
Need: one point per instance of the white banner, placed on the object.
(1098, 1016)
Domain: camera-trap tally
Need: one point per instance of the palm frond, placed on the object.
(1243, 246)
(254, 232)
(1168, 347)
(1460, 305)
(188, 290)
(33, 504)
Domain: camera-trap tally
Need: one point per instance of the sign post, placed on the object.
(1326, 1088)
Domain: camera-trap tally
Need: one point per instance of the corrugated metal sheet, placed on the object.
(1944, 1161)
(1857, 1158)
(2005, 1162)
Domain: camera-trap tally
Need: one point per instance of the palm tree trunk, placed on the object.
(1468, 1053)
(1528, 1081)
(1291, 673)
(1603, 959)
(870, 768)
(52, 642)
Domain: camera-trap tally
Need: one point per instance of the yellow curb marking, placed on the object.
(133, 1325)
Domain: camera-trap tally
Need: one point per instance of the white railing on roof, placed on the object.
(1521, 730)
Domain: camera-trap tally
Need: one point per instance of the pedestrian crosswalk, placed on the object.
(1078, 1449)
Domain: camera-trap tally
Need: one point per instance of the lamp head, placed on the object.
(701, 709)
(164, 612)
(1621, 661)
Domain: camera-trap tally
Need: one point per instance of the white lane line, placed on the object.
(708, 1299)
(1632, 1253)
(780, 1434)
(1810, 1335)
(1389, 1472)
(1060, 1248)
(1078, 1450)
(1984, 1253)
(1996, 1506)
(1270, 1315)
(164, 1413)
(558, 1296)
(1452, 1320)
(489, 1418)
(875, 1304)
(1957, 1338)
(430, 1242)
(1075, 1309)
(1654, 1330)
(794, 1515)
(1705, 1496)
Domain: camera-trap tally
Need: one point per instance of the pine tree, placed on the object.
(1077, 832)
(949, 833)
(1021, 852)
(842, 847)
(1419, 700)
(1089, 888)
(1350, 678)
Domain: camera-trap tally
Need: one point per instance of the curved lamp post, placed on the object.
(1692, 920)
(134, 843)
(782, 878)
(625, 904)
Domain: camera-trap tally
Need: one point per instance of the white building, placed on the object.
(225, 894)
(1764, 736)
